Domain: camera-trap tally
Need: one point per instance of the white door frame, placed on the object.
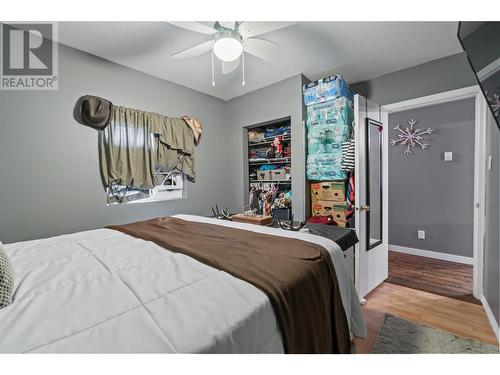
(479, 163)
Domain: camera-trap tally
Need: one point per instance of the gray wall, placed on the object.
(449, 73)
(428, 193)
(492, 239)
(276, 101)
(49, 170)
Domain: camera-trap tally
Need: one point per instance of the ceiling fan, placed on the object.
(230, 40)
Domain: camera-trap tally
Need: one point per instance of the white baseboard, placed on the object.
(491, 317)
(432, 254)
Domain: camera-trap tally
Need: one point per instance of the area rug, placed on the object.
(399, 336)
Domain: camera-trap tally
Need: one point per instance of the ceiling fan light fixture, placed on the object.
(227, 46)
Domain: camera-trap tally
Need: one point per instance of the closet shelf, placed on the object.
(268, 141)
(273, 181)
(269, 161)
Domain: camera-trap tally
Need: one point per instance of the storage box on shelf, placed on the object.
(263, 175)
(278, 174)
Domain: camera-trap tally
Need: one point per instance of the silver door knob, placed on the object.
(363, 207)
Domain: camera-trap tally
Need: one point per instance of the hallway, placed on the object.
(436, 276)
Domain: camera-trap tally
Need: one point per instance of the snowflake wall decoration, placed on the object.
(411, 137)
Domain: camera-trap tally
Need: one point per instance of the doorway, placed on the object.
(436, 192)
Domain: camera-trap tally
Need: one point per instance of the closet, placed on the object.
(269, 169)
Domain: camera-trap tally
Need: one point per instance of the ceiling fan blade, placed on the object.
(261, 48)
(228, 24)
(194, 51)
(249, 29)
(194, 26)
(230, 66)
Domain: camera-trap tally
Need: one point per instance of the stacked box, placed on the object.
(329, 199)
(326, 208)
(334, 191)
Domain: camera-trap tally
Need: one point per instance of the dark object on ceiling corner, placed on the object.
(92, 111)
(479, 40)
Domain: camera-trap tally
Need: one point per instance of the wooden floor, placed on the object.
(458, 317)
(436, 276)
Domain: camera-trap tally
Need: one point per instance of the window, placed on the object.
(171, 186)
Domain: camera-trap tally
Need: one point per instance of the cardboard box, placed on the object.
(325, 208)
(263, 175)
(278, 174)
(328, 191)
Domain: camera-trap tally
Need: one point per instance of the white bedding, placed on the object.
(105, 291)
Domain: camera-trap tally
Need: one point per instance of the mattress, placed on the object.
(103, 291)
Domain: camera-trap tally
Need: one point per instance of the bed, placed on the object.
(103, 291)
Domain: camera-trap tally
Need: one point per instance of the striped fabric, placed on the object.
(6, 279)
(348, 156)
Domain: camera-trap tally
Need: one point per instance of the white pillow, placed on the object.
(6, 279)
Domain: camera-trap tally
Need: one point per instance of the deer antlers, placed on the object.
(223, 215)
(288, 225)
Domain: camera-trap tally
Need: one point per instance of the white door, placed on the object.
(371, 201)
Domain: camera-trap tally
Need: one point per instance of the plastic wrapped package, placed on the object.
(337, 111)
(327, 138)
(325, 167)
(315, 145)
(326, 89)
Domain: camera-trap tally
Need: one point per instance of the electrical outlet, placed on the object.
(448, 156)
(421, 234)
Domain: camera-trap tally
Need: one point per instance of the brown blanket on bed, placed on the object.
(297, 276)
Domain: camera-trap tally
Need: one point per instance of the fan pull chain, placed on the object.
(243, 66)
(213, 69)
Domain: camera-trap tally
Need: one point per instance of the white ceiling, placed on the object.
(357, 50)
